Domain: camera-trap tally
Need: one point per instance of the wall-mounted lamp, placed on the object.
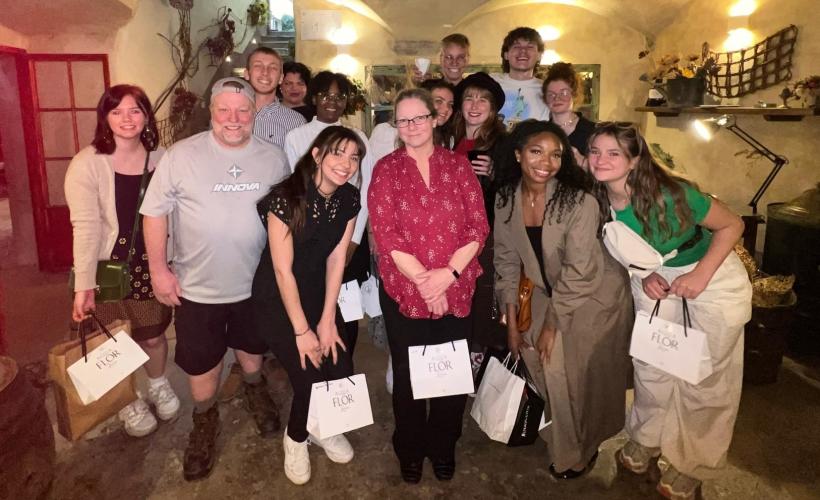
(549, 57)
(738, 25)
(706, 129)
(343, 62)
(549, 34)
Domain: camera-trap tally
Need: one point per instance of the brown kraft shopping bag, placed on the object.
(73, 417)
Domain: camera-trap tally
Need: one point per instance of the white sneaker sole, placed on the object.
(334, 457)
(138, 433)
(167, 417)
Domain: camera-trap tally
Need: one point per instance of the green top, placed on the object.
(698, 202)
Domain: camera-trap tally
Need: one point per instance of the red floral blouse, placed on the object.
(429, 223)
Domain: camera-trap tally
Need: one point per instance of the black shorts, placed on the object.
(206, 331)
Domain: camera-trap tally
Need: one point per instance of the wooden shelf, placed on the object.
(769, 114)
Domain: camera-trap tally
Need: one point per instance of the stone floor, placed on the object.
(775, 453)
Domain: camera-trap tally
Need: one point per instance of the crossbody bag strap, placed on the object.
(136, 228)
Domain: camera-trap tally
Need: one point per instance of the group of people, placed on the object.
(249, 230)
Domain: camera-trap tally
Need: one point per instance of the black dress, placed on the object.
(579, 137)
(325, 223)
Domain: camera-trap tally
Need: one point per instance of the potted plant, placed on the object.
(222, 44)
(258, 12)
(682, 82)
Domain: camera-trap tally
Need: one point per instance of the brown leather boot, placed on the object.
(200, 455)
(262, 408)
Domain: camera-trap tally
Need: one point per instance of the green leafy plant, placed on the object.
(258, 12)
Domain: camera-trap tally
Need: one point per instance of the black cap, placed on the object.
(484, 81)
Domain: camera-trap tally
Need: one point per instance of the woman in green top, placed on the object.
(688, 426)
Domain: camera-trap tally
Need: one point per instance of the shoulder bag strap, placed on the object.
(143, 186)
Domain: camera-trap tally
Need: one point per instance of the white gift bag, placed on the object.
(496, 404)
(440, 370)
(350, 301)
(370, 297)
(106, 366)
(677, 349)
(339, 406)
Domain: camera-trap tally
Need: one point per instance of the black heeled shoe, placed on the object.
(444, 469)
(411, 471)
(574, 474)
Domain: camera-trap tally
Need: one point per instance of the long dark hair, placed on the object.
(295, 187)
(103, 136)
(572, 180)
(442, 133)
(646, 183)
(488, 133)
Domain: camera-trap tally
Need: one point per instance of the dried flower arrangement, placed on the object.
(672, 66)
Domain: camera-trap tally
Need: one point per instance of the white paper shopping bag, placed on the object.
(671, 347)
(350, 301)
(496, 404)
(440, 370)
(370, 297)
(106, 366)
(339, 406)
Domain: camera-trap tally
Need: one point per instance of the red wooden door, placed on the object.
(65, 89)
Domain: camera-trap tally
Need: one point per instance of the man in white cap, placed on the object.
(205, 191)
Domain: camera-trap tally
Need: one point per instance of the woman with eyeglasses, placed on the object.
(477, 132)
(329, 93)
(560, 89)
(429, 224)
(576, 349)
(310, 218)
(688, 426)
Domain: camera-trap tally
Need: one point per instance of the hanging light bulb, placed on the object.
(228, 59)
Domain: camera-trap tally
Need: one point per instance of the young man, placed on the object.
(520, 54)
(208, 185)
(273, 120)
(453, 58)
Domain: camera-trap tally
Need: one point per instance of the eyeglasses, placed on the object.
(331, 97)
(416, 120)
(563, 94)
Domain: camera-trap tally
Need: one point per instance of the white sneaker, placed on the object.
(165, 401)
(388, 379)
(337, 448)
(297, 461)
(138, 419)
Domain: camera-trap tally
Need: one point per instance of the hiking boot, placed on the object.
(137, 418)
(297, 461)
(678, 486)
(232, 384)
(262, 408)
(165, 401)
(200, 455)
(276, 377)
(636, 457)
(337, 448)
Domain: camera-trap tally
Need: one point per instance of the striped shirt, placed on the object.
(274, 121)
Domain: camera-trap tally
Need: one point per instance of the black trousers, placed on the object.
(284, 347)
(420, 432)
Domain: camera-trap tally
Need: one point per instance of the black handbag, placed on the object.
(530, 411)
(114, 276)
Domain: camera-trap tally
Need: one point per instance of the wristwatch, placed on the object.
(453, 270)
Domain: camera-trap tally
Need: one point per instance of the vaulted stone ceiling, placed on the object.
(648, 17)
(42, 17)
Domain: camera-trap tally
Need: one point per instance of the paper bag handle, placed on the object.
(687, 317)
(452, 343)
(83, 333)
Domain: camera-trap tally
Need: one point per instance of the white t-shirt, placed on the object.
(211, 192)
(522, 99)
(297, 142)
(383, 140)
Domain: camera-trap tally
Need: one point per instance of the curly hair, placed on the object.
(572, 184)
(647, 183)
(564, 72)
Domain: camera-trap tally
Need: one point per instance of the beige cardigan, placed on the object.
(89, 191)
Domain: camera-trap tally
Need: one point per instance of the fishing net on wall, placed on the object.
(758, 67)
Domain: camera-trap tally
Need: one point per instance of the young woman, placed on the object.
(294, 87)
(560, 89)
(102, 187)
(443, 99)
(477, 132)
(577, 347)
(309, 217)
(429, 224)
(690, 426)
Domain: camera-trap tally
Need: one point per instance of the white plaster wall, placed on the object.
(717, 166)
